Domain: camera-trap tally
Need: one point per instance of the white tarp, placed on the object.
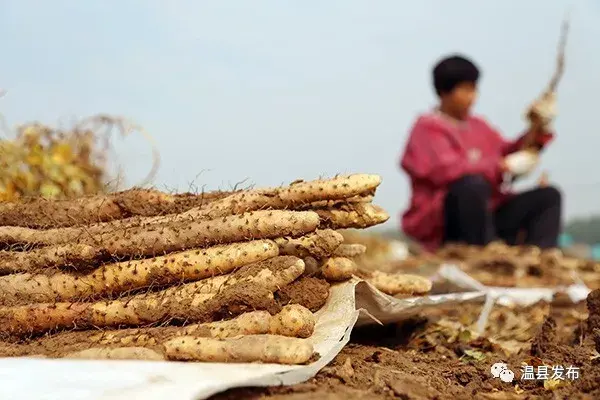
(449, 277)
(46, 379)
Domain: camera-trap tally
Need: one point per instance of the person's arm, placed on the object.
(430, 156)
(537, 139)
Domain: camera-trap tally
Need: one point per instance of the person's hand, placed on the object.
(543, 180)
(521, 162)
(542, 112)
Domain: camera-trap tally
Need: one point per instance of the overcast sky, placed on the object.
(272, 91)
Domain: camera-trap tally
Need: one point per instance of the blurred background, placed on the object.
(267, 91)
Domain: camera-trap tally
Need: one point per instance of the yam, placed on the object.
(319, 244)
(352, 216)
(293, 320)
(336, 203)
(169, 237)
(113, 279)
(42, 213)
(119, 353)
(271, 274)
(290, 197)
(338, 269)
(394, 284)
(250, 323)
(350, 250)
(183, 303)
(296, 194)
(70, 256)
(244, 349)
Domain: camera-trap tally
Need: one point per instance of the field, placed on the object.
(432, 357)
(237, 277)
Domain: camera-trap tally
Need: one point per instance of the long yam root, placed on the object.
(295, 195)
(69, 256)
(319, 244)
(352, 216)
(119, 353)
(271, 274)
(42, 213)
(159, 239)
(116, 278)
(338, 269)
(245, 349)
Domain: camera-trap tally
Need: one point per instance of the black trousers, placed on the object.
(468, 220)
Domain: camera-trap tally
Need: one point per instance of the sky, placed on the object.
(266, 92)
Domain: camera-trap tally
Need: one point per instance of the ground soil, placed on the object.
(434, 357)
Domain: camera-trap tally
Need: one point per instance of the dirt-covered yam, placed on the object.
(338, 269)
(43, 213)
(272, 274)
(307, 291)
(319, 244)
(74, 257)
(301, 192)
(312, 266)
(352, 216)
(158, 239)
(244, 349)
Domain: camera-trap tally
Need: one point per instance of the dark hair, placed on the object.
(451, 71)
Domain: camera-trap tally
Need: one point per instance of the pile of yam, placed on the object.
(217, 277)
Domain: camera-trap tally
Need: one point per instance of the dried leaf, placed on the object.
(553, 384)
(471, 356)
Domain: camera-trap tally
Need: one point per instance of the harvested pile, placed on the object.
(236, 278)
(522, 266)
(496, 264)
